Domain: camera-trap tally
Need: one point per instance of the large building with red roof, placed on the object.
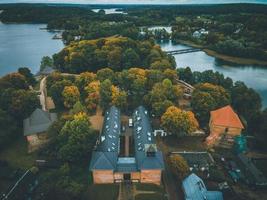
(224, 126)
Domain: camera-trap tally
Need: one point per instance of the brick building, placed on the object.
(224, 126)
(108, 166)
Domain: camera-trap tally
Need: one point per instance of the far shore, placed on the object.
(232, 59)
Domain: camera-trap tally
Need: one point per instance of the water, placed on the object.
(254, 76)
(24, 45)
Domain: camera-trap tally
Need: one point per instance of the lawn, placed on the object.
(149, 187)
(154, 196)
(103, 191)
(17, 155)
(261, 165)
(190, 143)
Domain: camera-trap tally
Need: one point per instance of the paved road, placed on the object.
(126, 191)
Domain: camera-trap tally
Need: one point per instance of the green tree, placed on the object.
(28, 75)
(105, 93)
(76, 139)
(105, 73)
(130, 58)
(77, 108)
(23, 103)
(46, 62)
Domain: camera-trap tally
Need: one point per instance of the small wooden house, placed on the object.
(224, 125)
(35, 127)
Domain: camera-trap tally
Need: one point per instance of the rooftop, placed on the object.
(226, 116)
(195, 189)
(38, 122)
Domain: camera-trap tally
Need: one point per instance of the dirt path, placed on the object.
(97, 119)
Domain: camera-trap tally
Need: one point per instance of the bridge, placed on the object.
(182, 51)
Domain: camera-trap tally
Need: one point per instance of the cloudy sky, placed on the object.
(135, 1)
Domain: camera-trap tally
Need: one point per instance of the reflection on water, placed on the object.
(253, 76)
(24, 45)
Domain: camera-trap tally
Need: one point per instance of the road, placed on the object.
(43, 93)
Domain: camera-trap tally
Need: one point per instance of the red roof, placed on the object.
(226, 116)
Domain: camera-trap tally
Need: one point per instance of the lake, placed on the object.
(254, 76)
(24, 45)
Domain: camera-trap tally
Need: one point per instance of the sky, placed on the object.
(135, 1)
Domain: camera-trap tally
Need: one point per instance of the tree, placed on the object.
(207, 97)
(115, 58)
(8, 130)
(105, 93)
(93, 95)
(46, 62)
(178, 166)
(161, 65)
(186, 75)
(77, 108)
(178, 122)
(28, 75)
(84, 79)
(76, 139)
(130, 58)
(71, 95)
(119, 98)
(55, 91)
(13, 80)
(162, 95)
(245, 101)
(105, 73)
(23, 103)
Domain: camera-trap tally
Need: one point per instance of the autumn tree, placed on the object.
(119, 98)
(84, 79)
(179, 122)
(178, 166)
(70, 95)
(76, 139)
(55, 91)
(13, 80)
(93, 95)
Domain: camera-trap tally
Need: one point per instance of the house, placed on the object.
(195, 189)
(224, 125)
(35, 127)
(199, 33)
(197, 161)
(108, 165)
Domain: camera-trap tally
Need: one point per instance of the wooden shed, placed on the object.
(224, 126)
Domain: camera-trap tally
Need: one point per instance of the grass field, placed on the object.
(17, 155)
(103, 191)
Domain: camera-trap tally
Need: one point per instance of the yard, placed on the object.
(17, 155)
(103, 191)
(149, 192)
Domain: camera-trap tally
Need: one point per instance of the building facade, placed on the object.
(145, 166)
(224, 125)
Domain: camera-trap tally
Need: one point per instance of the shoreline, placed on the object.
(231, 59)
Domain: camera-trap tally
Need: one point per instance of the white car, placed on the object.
(130, 122)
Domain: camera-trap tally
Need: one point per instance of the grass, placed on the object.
(262, 166)
(17, 155)
(154, 196)
(103, 191)
(149, 187)
(173, 143)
